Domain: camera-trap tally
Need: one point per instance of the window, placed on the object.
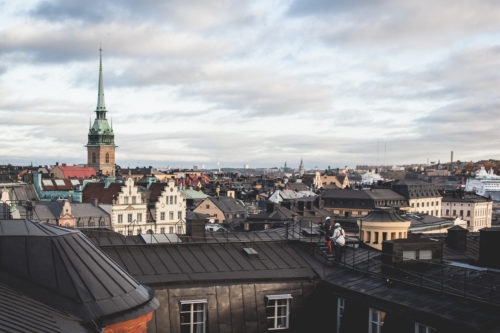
(170, 230)
(171, 215)
(129, 218)
(375, 321)
(120, 218)
(162, 216)
(139, 231)
(447, 212)
(409, 255)
(278, 311)
(171, 199)
(162, 230)
(421, 328)
(461, 212)
(468, 213)
(179, 229)
(412, 205)
(125, 200)
(418, 204)
(340, 311)
(133, 199)
(193, 316)
(424, 254)
(375, 238)
(454, 212)
(93, 157)
(179, 215)
(208, 206)
(139, 217)
(107, 157)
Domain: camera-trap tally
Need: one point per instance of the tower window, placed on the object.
(107, 157)
(93, 157)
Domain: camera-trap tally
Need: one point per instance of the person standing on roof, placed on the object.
(327, 229)
(338, 240)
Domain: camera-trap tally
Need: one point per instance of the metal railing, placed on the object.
(479, 284)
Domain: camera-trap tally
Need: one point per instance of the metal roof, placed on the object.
(63, 269)
(19, 313)
(197, 262)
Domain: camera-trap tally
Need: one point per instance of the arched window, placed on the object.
(107, 157)
(93, 157)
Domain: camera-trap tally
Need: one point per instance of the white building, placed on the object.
(167, 208)
(128, 211)
(370, 177)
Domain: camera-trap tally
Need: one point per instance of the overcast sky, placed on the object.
(187, 83)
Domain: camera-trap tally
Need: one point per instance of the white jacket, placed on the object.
(339, 236)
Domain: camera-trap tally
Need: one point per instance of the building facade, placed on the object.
(422, 197)
(128, 211)
(101, 139)
(473, 208)
(167, 207)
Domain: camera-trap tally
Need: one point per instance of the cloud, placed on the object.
(45, 43)
(198, 14)
(408, 24)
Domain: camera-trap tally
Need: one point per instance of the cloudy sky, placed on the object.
(337, 83)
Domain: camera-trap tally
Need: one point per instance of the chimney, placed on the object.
(95, 202)
(457, 238)
(195, 225)
(489, 247)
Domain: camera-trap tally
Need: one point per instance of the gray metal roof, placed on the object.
(19, 313)
(196, 262)
(63, 269)
(386, 214)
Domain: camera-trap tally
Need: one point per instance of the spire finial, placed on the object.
(100, 97)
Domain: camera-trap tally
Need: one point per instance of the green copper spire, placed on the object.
(100, 133)
(100, 96)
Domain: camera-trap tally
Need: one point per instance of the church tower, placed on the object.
(101, 145)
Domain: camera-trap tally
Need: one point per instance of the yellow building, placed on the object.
(382, 224)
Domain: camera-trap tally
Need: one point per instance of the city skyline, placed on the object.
(252, 83)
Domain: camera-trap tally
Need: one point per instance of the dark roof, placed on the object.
(100, 192)
(297, 186)
(469, 315)
(278, 213)
(47, 210)
(156, 189)
(227, 205)
(19, 313)
(197, 262)
(384, 194)
(25, 192)
(345, 194)
(413, 189)
(424, 222)
(385, 214)
(63, 269)
(192, 215)
(79, 209)
(460, 196)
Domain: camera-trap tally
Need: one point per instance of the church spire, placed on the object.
(100, 97)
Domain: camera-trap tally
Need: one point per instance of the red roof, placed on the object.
(156, 189)
(74, 171)
(103, 195)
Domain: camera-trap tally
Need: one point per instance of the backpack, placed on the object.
(341, 239)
